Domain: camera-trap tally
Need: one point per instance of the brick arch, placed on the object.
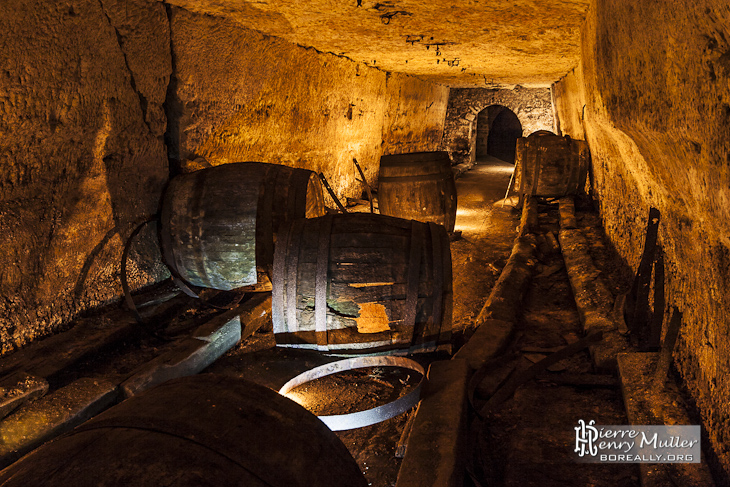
(533, 107)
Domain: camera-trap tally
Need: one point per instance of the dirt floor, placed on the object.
(527, 440)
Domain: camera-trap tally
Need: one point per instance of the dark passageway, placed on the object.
(497, 131)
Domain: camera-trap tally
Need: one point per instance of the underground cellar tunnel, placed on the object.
(587, 282)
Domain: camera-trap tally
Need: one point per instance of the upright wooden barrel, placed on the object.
(551, 165)
(418, 186)
(219, 224)
(203, 430)
(362, 283)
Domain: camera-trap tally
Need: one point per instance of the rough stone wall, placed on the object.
(652, 96)
(239, 95)
(81, 154)
(533, 106)
(86, 94)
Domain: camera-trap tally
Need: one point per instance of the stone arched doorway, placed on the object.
(498, 129)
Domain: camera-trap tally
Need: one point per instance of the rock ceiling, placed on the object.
(459, 43)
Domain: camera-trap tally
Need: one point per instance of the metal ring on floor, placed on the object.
(340, 422)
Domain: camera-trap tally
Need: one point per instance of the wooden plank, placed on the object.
(46, 357)
(19, 388)
(638, 298)
(593, 299)
(185, 357)
(567, 212)
(504, 301)
(436, 450)
(648, 405)
(528, 222)
(44, 419)
(488, 341)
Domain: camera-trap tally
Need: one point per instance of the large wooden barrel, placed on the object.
(219, 224)
(205, 430)
(362, 283)
(551, 165)
(418, 186)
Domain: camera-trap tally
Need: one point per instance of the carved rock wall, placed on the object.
(239, 95)
(654, 105)
(81, 154)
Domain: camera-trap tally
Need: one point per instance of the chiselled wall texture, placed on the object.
(652, 97)
(96, 93)
(533, 106)
(242, 96)
(82, 155)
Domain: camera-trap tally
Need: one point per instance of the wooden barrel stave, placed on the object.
(368, 286)
(202, 430)
(418, 186)
(216, 233)
(552, 166)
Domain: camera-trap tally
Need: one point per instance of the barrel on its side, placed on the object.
(219, 224)
(204, 430)
(418, 186)
(551, 166)
(362, 283)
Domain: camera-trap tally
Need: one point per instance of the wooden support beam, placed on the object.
(504, 301)
(638, 298)
(648, 405)
(567, 212)
(48, 356)
(187, 356)
(529, 221)
(39, 421)
(593, 299)
(18, 388)
(436, 450)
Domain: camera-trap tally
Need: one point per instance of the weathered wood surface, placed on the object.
(39, 421)
(378, 282)
(18, 388)
(202, 430)
(188, 356)
(504, 301)
(567, 213)
(193, 353)
(637, 301)
(418, 186)
(436, 453)
(648, 405)
(528, 221)
(552, 166)
(47, 357)
(593, 299)
(515, 381)
(220, 223)
(496, 320)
